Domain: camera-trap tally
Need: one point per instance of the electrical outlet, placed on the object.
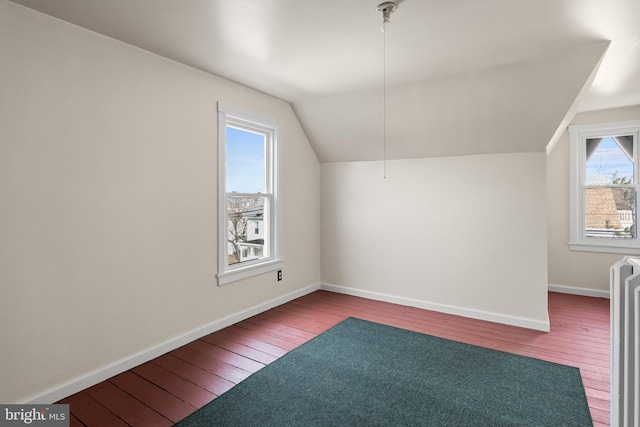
(279, 275)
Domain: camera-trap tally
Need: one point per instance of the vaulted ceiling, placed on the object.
(463, 77)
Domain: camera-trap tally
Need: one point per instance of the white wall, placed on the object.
(459, 234)
(585, 270)
(108, 219)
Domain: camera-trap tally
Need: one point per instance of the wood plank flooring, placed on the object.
(167, 389)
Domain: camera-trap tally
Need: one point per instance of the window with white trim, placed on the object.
(249, 198)
(604, 187)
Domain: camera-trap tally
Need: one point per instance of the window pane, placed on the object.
(609, 160)
(245, 161)
(610, 212)
(247, 238)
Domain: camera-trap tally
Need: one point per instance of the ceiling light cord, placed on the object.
(387, 8)
(384, 101)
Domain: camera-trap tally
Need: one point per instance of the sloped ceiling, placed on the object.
(512, 108)
(463, 77)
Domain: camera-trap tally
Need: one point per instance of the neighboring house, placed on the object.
(624, 207)
(246, 233)
(608, 213)
(252, 248)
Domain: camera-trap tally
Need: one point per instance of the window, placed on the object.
(248, 179)
(604, 187)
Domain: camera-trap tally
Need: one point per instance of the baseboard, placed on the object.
(579, 291)
(245, 314)
(54, 394)
(444, 308)
(78, 384)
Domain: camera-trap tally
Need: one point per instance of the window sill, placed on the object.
(604, 247)
(249, 271)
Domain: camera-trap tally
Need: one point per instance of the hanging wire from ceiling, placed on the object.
(386, 8)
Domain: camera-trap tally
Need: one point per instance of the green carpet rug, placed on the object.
(360, 373)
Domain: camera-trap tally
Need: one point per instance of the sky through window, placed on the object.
(608, 162)
(245, 161)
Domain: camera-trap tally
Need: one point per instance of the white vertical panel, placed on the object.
(636, 356)
(625, 343)
(631, 286)
(619, 273)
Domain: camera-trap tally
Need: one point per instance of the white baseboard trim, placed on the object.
(56, 393)
(78, 384)
(444, 308)
(579, 291)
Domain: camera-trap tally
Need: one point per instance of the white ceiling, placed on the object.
(456, 70)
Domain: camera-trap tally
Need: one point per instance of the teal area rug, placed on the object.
(360, 373)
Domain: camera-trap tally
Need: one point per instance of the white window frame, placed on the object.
(578, 134)
(239, 117)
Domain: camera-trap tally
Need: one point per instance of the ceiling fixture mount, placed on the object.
(387, 8)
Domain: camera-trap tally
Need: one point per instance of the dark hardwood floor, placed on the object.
(167, 389)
